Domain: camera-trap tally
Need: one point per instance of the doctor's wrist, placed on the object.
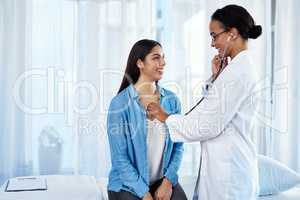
(163, 117)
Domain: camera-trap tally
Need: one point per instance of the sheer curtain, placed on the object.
(14, 159)
(285, 138)
(61, 63)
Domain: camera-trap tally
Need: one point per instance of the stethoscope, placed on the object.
(213, 78)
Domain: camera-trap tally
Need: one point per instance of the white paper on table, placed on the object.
(26, 184)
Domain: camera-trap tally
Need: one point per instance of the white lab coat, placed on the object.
(222, 124)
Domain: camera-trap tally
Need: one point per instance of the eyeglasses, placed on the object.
(215, 36)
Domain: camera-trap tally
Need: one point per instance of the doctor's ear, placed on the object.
(233, 33)
(232, 36)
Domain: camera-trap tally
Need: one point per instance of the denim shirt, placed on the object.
(127, 133)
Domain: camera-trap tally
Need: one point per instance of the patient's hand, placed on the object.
(154, 109)
(164, 192)
(147, 196)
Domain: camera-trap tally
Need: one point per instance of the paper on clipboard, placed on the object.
(26, 184)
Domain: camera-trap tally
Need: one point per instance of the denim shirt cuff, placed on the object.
(141, 189)
(172, 177)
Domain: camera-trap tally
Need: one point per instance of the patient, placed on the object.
(145, 161)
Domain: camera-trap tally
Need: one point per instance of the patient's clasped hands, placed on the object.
(163, 192)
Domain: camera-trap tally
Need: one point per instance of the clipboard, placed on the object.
(22, 184)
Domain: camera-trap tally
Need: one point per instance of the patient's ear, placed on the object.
(140, 64)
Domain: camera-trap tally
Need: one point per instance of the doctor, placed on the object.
(222, 121)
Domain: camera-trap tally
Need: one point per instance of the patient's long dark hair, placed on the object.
(139, 51)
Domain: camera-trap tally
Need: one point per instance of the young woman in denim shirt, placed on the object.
(145, 161)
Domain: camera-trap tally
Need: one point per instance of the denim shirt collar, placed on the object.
(134, 94)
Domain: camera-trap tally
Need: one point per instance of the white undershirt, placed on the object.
(155, 148)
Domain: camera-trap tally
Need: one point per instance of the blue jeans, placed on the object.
(177, 194)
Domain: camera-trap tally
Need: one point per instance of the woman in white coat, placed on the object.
(222, 121)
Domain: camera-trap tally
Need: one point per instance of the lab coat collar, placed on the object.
(240, 56)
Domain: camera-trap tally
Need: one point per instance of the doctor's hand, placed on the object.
(154, 109)
(216, 64)
(164, 191)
